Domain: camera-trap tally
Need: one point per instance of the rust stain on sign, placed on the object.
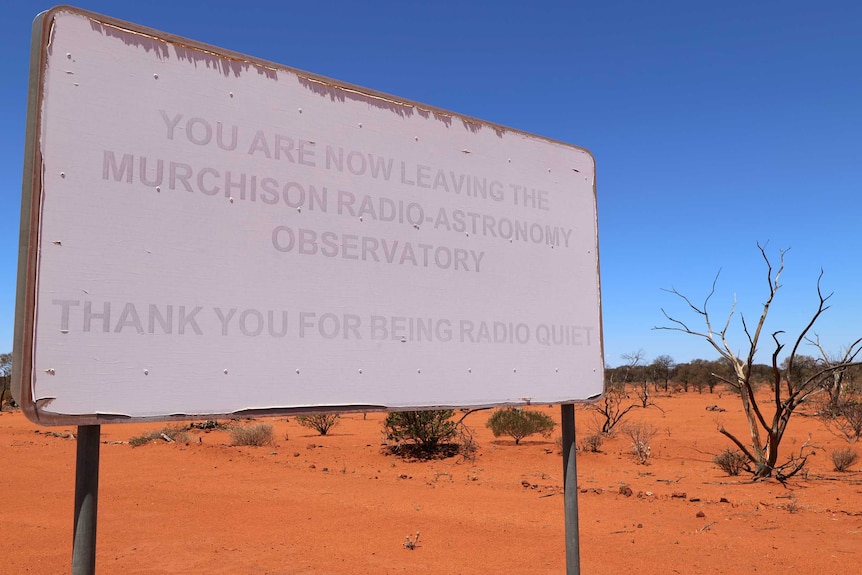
(193, 54)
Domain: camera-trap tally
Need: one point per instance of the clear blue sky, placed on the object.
(713, 125)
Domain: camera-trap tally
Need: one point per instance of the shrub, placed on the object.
(321, 422)
(168, 433)
(208, 425)
(257, 435)
(518, 423)
(845, 418)
(731, 462)
(641, 435)
(592, 443)
(843, 458)
(466, 444)
(422, 433)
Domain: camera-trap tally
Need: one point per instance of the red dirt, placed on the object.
(337, 504)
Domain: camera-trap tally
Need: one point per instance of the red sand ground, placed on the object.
(336, 504)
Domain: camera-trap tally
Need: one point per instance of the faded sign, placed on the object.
(208, 234)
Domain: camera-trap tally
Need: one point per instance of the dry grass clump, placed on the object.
(256, 435)
(731, 462)
(843, 458)
(169, 434)
(592, 443)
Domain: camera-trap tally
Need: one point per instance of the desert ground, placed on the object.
(338, 504)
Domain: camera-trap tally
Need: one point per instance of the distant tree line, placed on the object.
(663, 374)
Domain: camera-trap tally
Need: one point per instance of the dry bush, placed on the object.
(843, 458)
(592, 443)
(641, 435)
(844, 418)
(169, 433)
(609, 409)
(256, 435)
(320, 422)
(731, 462)
(792, 505)
(208, 425)
(468, 446)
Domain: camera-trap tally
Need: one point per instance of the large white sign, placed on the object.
(208, 234)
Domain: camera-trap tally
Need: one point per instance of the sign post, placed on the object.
(86, 500)
(570, 490)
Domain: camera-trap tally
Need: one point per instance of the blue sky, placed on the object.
(714, 126)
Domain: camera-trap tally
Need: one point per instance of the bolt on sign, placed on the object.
(205, 233)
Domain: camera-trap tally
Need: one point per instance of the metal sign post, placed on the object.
(86, 500)
(570, 489)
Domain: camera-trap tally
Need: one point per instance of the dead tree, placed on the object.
(610, 408)
(791, 387)
(835, 385)
(635, 373)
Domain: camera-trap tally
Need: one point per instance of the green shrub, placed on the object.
(321, 422)
(518, 423)
(422, 433)
(256, 435)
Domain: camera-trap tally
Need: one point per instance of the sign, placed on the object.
(205, 234)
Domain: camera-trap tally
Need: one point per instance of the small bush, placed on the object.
(168, 433)
(208, 425)
(518, 423)
(321, 422)
(843, 458)
(844, 418)
(142, 439)
(592, 443)
(731, 462)
(256, 435)
(851, 412)
(422, 434)
(465, 442)
(641, 435)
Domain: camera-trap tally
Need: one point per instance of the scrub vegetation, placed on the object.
(255, 435)
(322, 423)
(519, 423)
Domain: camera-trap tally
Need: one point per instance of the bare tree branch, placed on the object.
(800, 382)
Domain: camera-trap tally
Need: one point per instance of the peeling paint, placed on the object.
(338, 93)
(192, 54)
(237, 66)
